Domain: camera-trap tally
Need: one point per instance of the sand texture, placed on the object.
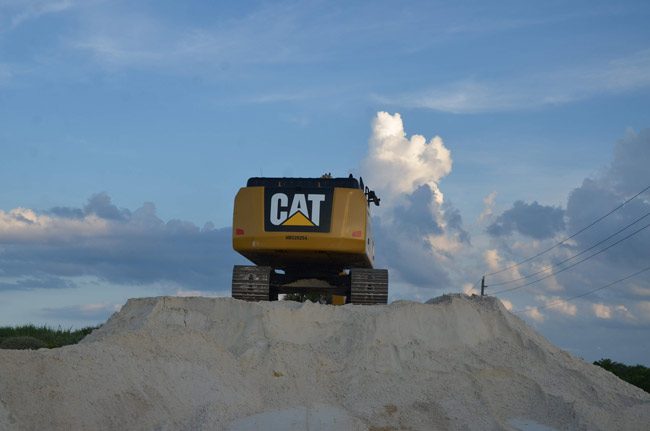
(455, 363)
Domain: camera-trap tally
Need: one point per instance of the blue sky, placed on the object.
(106, 105)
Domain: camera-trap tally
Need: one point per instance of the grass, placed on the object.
(50, 337)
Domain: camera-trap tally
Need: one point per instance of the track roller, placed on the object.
(251, 283)
(368, 286)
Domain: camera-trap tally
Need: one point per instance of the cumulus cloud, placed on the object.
(488, 208)
(415, 215)
(534, 313)
(550, 281)
(495, 262)
(454, 224)
(50, 248)
(492, 259)
(398, 165)
(555, 303)
(418, 231)
(602, 311)
(626, 175)
(628, 172)
(410, 258)
(534, 220)
(101, 206)
(540, 227)
(23, 225)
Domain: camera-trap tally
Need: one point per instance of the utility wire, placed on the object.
(561, 301)
(546, 268)
(573, 264)
(569, 237)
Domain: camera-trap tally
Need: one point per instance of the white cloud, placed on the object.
(24, 224)
(620, 74)
(495, 262)
(545, 89)
(49, 249)
(265, 35)
(19, 12)
(488, 208)
(644, 308)
(506, 304)
(492, 259)
(468, 289)
(555, 303)
(448, 245)
(397, 164)
(551, 284)
(620, 318)
(462, 97)
(534, 313)
(639, 290)
(623, 311)
(420, 232)
(602, 311)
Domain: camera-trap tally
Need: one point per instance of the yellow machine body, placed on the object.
(345, 244)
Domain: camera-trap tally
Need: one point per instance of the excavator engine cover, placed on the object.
(306, 235)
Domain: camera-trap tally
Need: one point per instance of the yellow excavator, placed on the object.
(306, 235)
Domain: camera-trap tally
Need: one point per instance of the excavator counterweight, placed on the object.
(306, 235)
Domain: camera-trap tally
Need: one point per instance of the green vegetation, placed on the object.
(302, 297)
(34, 337)
(638, 375)
(21, 343)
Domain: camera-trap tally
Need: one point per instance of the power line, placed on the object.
(569, 237)
(573, 264)
(546, 268)
(561, 301)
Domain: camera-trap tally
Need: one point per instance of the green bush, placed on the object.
(22, 343)
(637, 375)
(48, 336)
(302, 297)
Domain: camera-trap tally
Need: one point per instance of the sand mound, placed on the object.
(198, 363)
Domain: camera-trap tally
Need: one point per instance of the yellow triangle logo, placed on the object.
(298, 219)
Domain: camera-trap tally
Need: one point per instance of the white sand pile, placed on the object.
(456, 363)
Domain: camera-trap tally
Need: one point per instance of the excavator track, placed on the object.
(251, 283)
(368, 286)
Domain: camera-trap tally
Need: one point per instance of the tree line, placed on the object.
(637, 375)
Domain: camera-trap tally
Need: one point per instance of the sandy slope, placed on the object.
(456, 363)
